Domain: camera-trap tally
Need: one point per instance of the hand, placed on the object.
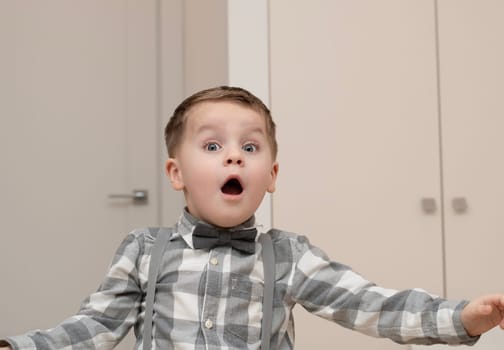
(483, 314)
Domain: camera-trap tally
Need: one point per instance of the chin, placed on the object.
(227, 221)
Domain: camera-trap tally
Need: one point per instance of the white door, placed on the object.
(78, 122)
(472, 88)
(472, 80)
(353, 91)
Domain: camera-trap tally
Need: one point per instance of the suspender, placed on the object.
(155, 261)
(268, 257)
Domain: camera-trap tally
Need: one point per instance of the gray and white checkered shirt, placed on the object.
(213, 299)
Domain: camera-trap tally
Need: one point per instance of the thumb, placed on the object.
(484, 309)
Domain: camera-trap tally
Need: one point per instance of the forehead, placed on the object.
(220, 113)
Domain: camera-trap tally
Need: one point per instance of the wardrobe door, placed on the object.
(354, 94)
(472, 90)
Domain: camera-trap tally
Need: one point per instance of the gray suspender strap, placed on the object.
(268, 258)
(155, 262)
(269, 282)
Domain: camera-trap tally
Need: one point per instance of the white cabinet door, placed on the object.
(354, 94)
(472, 89)
(78, 121)
(472, 86)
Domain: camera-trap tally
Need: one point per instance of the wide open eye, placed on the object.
(212, 146)
(249, 147)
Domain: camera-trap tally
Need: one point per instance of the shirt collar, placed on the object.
(187, 222)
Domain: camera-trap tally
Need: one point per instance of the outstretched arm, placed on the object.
(104, 318)
(483, 314)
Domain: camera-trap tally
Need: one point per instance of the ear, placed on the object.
(274, 174)
(173, 172)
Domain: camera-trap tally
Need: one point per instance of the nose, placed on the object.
(237, 161)
(234, 158)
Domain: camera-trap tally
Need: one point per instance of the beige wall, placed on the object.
(205, 44)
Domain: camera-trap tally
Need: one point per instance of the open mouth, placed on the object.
(232, 186)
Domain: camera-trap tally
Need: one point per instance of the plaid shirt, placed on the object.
(213, 299)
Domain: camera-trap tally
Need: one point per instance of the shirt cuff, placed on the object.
(19, 342)
(459, 326)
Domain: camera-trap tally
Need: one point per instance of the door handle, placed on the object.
(138, 196)
(429, 205)
(460, 205)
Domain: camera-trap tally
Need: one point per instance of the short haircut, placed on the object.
(175, 128)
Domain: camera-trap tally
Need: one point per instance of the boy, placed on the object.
(222, 155)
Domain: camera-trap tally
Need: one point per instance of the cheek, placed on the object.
(202, 178)
(262, 176)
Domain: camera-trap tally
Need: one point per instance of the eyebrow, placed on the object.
(257, 129)
(206, 127)
(210, 127)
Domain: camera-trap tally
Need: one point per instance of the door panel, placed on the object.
(353, 91)
(78, 121)
(473, 109)
(472, 86)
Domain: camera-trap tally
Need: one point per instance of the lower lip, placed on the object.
(232, 196)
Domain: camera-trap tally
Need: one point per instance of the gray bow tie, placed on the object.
(207, 237)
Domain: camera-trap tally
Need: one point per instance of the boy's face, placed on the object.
(224, 164)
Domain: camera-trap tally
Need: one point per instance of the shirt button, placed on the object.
(208, 324)
(214, 261)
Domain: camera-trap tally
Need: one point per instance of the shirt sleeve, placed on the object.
(335, 292)
(105, 317)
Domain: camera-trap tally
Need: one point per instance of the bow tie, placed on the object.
(208, 237)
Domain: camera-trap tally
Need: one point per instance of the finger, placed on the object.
(485, 309)
(496, 300)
